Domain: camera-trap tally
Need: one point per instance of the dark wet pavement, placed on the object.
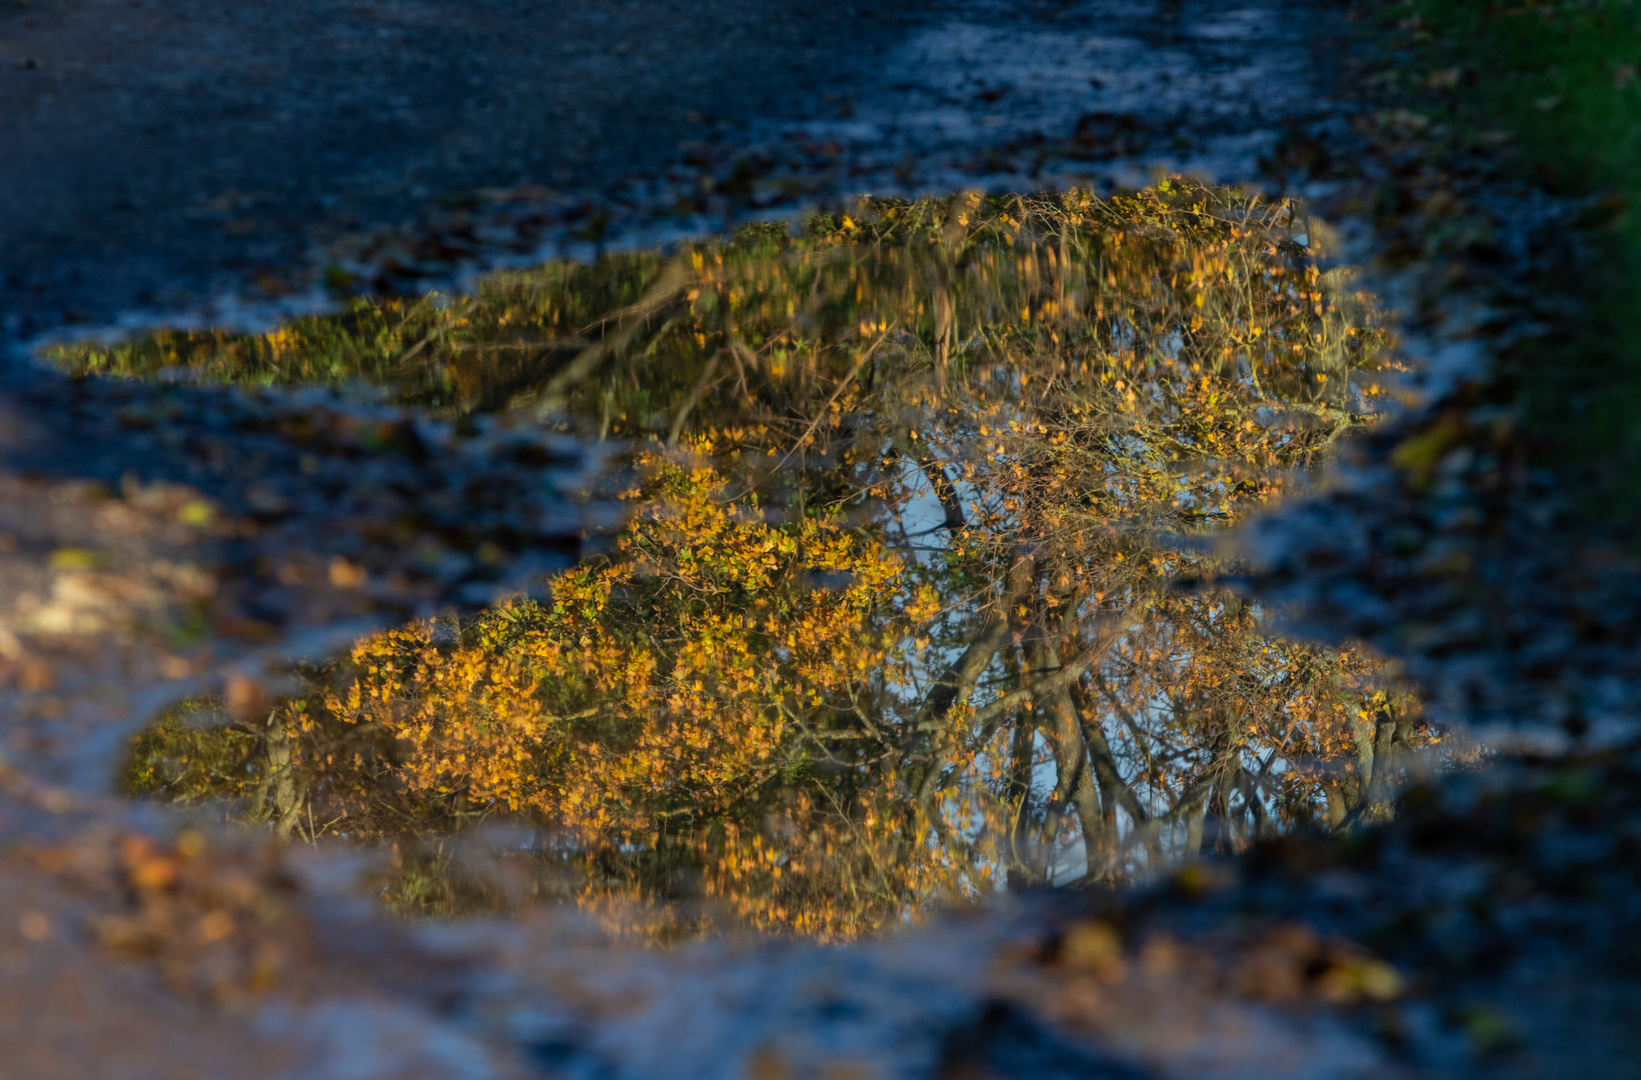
(176, 159)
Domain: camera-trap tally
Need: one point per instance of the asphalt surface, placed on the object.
(156, 157)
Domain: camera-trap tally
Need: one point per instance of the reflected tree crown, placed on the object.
(897, 616)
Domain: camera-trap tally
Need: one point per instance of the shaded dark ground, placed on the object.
(158, 156)
(168, 146)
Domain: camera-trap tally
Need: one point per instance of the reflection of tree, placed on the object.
(658, 690)
(914, 629)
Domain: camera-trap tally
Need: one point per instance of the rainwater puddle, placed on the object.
(892, 617)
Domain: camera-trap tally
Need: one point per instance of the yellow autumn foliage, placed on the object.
(664, 685)
(985, 671)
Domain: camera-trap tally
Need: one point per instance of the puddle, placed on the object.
(913, 597)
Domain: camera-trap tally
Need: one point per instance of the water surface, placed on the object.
(913, 595)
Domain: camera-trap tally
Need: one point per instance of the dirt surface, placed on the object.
(161, 157)
(158, 542)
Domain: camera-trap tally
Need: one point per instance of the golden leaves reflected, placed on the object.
(896, 618)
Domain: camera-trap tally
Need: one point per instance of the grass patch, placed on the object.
(1552, 93)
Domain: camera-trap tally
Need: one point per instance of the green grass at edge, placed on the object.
(1563, 81)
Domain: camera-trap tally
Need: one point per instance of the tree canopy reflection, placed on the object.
(897, 615)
